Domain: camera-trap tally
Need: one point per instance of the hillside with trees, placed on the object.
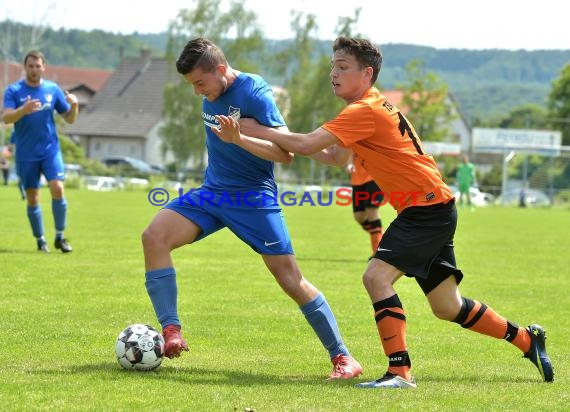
(486, 83)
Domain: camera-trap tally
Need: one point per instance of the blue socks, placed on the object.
(59, 210)
(36, 221)
(163, 292)
(319, 315)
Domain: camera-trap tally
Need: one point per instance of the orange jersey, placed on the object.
(390, 150)
(360, 175)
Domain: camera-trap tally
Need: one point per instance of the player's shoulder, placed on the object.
(252, 77)
(17, 85)
(256, 85)
(50, 84)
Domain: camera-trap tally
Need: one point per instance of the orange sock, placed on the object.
(480, 318)
(375, 238)
(391, 323)
(374, 228)
(518, 336)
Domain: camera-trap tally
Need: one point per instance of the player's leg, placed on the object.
(447, 304)
(21, 189)
(53, 170)
(408, 246)
(181, 222)
(390, 318)
(59, 211)
(317, 312)
(373, 226)
(29, 173)
(365, 211)
(167, 231)
(265, 231)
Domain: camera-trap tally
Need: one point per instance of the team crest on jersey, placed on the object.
(49, 98)
(234, 113)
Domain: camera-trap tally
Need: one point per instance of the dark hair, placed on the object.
(35, 54)
(200, 53)
(366, 53)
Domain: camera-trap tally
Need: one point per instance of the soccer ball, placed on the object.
(139, 347)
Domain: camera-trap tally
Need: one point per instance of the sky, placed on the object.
(457, 24)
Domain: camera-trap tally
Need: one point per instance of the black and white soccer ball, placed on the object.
(139, 347)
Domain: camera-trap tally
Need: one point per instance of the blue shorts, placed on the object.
(262, 228)
(29, 172)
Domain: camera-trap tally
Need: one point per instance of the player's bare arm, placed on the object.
(264, 149)
(320, 144)
(72, 113)
(333, 155)
(13, 115)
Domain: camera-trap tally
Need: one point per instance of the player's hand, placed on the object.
(350, 168)
(250, 126)
(229, 129)
(31, 105)
(71, 98)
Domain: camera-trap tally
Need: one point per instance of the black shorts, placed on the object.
(366, 196)
(419, 242)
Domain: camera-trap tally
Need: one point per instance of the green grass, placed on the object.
(249, 345)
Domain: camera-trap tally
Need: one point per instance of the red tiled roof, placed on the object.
(130, 104)
(395, 97)
(66, 77)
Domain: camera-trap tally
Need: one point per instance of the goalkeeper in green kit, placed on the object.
(465, 180)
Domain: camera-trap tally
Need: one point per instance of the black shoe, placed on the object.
(537, 352)
(42, 246)
(62, 244)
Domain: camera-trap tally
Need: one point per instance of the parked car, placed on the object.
(72, 169)
(531, 197)
(101, 183)
(129, 165)
(478, 198)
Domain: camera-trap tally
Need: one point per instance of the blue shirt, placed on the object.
(232, 170)
(35, 134)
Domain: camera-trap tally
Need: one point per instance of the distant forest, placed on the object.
(486, 83)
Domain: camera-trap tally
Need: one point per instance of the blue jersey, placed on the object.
(35, 134)
(232, 170)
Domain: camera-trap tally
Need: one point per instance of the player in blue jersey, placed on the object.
(238, 193)
(30, 104)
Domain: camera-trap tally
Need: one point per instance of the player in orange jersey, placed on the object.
(419, 241)
(366, 199)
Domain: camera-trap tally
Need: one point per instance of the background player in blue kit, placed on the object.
(29, 104)
(239, 192)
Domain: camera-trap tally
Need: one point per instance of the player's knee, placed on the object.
(360, 218)
(152, 238)
(375, 282)
(445, 312)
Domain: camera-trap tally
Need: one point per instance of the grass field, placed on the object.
(249, 345)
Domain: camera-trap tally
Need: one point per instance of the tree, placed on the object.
(312, 101)
(528, 116)
(559, 104)
(299, 110)
(183, 131)
(425, 95)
